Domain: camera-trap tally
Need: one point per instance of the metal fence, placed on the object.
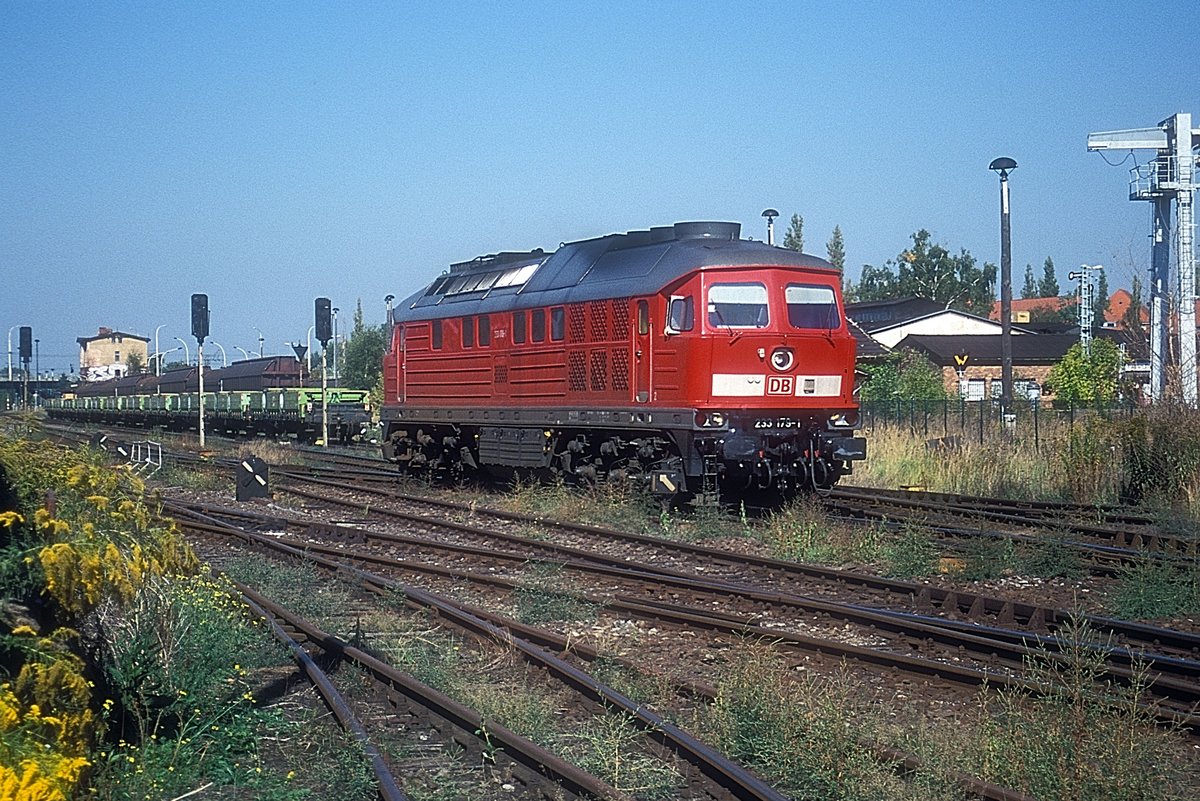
(963, 420)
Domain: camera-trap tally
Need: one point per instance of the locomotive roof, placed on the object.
(617, 265)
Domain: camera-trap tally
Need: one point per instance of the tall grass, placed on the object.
(1152, 457)
(816, 736)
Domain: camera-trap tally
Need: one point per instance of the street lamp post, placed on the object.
(187, 354)
(245, 353)
(158, 360)
(1004, 166)
(224, 358)
(260, 341)
(158, 364)
(10, 352)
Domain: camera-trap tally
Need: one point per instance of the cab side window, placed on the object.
(539, 325)
(557, 324)
(681, 313)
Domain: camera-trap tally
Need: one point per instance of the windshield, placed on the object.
(812, 307)
(737, 306)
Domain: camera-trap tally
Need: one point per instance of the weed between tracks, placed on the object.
(815, 737)
(546, 594)
(493, 681)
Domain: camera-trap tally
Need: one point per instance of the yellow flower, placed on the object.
(19, 630)
(7, 519)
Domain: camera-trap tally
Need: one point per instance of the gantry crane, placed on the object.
(1170, 176)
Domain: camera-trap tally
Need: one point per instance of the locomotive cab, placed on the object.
(775, 405)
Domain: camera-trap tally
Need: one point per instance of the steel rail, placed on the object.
(519, 749)
(728, 775)
(904, 761)
(388, 789)
(923, 596)
(1178, 675)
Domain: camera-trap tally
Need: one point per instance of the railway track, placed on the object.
(538, 772)
(539, 646)
(720, 777)
(1118, 538)
(904, 642)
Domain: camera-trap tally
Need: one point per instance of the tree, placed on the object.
(902, 375)
(875, 283)
(1048, 286)
(1029, 290)
(362, 355)
(134, 362)
(836, 249)
(1100, 304)
(929, 271)
(1131, 321)
(794, 238)
(1087, 378)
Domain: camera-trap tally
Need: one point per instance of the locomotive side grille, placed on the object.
(599, 320)
(576, 328)
(620, 369)
(620, 320)
(576, 372)
(501, 373)
(599, 370)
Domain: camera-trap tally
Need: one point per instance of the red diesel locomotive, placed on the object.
(683, 354)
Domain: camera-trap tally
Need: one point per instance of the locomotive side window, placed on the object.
(468, 332)
(812, 307)
(681, 314)
(435, 330)
(643, 317)
(737, 306)
(485, 331)
(539, 325)
(518, 327)
(557, 323)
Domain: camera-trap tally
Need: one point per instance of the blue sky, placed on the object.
(270, 153)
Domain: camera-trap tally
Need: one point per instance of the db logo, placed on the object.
(780, 385)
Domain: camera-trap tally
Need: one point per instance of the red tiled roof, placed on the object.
(1118, 304)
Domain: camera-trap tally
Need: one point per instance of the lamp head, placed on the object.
(1003, 165)
(770, 214)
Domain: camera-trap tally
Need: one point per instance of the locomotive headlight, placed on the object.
(783, 359)
(710, 419)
